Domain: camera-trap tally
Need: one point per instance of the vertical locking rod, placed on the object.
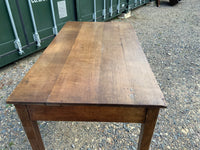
(111, 8)
(95, 12)
(36, 36)
(104, 9)
(55, 29)
(129, 6)
(136, 3)
(118, 7)
(17, 42)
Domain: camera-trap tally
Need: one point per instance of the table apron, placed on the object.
(87, 113)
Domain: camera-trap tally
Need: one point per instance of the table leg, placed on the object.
(30, 127)
(148, 128)
(157, 3)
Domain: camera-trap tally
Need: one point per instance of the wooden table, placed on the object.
(90, 72)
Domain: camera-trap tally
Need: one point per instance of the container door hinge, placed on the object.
(36, 38)
(95, 17)
(55, 30)
(104, 13)
(118, 8)
(18, 46)
(129, 7)
(111, 11)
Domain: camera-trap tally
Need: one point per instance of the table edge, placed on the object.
(88, 104)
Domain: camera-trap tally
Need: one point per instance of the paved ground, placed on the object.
(170, 37)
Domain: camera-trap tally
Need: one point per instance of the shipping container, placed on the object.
(132, 4)
(29, 26)
(99, 10)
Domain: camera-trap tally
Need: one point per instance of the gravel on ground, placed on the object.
(170, 38)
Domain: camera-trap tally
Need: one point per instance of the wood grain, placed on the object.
(39, 81)
(79, 79)
(87, 113)
(91, 63)
(145, 88)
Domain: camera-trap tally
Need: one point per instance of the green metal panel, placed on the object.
(64, 10)
(86, 11)
(123, 7)
(132, 4)
(44, 23)
(7, 37)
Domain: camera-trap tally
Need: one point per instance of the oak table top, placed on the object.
(91, 63)
(90, 72)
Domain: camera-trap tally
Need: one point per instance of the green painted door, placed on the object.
(64, 10)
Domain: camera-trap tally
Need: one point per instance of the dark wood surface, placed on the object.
(87, 113)
(91, 63)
